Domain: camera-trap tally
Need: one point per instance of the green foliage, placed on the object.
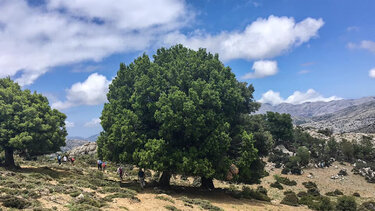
(27, 122)
(367, 206)
(346, 203)
(14, 202)
(202, 203)
(258, 194)
(164, 198)
(290, 199)
(172, 208)
(304, 155)
(335, 193)
(309, 185)
(284, 180)
(179, 113)
(277, 185)
(322, 203)
(280, 126)
(326, 131)
(347, 149)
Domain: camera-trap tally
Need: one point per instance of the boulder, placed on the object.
(86, 149)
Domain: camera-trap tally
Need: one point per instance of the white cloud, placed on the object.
(69, 124)
(296, 98)
(371, 73)
(263, 38)
(34, 39)
(262, 68)
(352, 28)
(302, 72)
(93, 123)
(90, 92)
(364, 44)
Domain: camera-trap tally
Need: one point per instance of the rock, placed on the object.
(343, 172)
(86, 149)
(80, 197)
(233, 169)
(284, 150)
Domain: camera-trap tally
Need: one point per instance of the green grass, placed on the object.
(204, 204)
(164, 198)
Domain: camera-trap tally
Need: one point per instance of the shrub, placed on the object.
(356, 194)
(15, 202)
(290, 199)
(309, 185)
(335, 193)
(304, 155)
(277, 185)
(313, 192)
(346, 203)
(202, 203)
(302, 194)
(262, 190)
(369, 205)
(164, 198)
(317, 202)
(172, 208)
(249, 193)
(285, 180)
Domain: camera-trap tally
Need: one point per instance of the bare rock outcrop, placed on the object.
(86, 149)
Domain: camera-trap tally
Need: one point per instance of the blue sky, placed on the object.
(292, 51)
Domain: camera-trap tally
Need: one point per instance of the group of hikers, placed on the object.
(141, 175)
(65, 159)
(101, 165)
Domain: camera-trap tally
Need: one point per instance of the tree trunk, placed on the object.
(9, 159)
(207, 183)
(165, 178)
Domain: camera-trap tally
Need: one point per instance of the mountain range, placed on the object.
(348, 115)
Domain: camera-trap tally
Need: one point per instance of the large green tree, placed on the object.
(179, 113)
(28, 125)
(280, 126)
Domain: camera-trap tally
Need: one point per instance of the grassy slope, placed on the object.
(46, 185)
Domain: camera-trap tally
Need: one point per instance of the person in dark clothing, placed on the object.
(59, 159)
(141, 177)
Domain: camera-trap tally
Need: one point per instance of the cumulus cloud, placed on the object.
(262, 68)
(262, 39)
(364, 44)
(69, 124)
(93, 123)
(371, 73)
(34, 38)
(296, 98)
(90, 92)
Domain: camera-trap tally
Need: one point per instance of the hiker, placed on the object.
(59, 159)
(120, 172)
(65, 159)
(72, 160)
(104, 165)
(99, 164)
(141, 177)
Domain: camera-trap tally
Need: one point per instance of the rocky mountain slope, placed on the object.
(352, 115)
(73, 143)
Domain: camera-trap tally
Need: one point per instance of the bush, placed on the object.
(164, 198)
(346, 203)
(335, 193)
(249, 193)
(302, 194)
(290, 199)
(202, 203)
(369, 205)
(285, 180)
(15, 202)
(304, 155)
(356, 194)
(172, 208)
(313, 192)
(277, 185)
(309, 185)
(317, 202)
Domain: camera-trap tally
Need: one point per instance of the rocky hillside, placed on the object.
(72, 143)
(353, 115)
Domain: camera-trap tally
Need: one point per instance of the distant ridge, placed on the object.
(348, 115)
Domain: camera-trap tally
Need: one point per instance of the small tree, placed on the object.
(347, 149)
(304, 155)
(28, 125)
(280, 126)
(346, 203)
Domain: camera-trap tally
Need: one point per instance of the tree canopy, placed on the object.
(28, 125)
(180, 113)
